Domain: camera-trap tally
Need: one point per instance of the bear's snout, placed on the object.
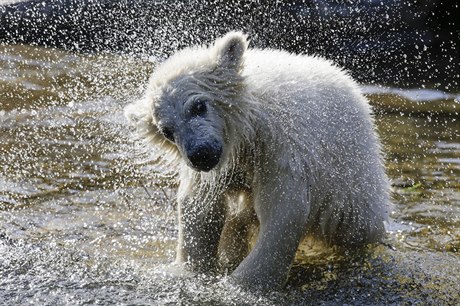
(204, 157)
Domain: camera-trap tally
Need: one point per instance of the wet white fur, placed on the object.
(300, 150)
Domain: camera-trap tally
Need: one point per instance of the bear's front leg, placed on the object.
(282, 206)
(201, 219)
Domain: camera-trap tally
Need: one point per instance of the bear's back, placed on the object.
(305, 93)
(305, 88)
(322, 126)
(274, 71)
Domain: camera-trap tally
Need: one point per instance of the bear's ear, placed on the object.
(230, 50)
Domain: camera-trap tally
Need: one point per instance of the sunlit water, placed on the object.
(87, 216)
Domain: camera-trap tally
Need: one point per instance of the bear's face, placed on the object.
(187, 117)
(189, 101)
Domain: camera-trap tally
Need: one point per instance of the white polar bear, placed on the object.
(269, 139)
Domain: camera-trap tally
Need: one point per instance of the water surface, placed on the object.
(87, 215)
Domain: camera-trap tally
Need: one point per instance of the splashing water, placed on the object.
(87, 216)
(392, 41)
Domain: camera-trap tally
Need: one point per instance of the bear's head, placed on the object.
(191, 101)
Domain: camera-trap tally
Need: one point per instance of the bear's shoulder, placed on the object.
(283, 60)
(283, 65)
(275, 70)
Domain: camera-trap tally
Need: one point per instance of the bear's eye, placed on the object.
(167, 133)
(198, 108)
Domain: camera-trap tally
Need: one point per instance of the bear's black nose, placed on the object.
(204, 158)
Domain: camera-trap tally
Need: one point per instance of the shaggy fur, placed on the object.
(299, 156)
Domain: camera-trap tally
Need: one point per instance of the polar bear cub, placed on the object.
(263, 139)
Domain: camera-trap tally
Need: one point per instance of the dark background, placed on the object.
(395, 42)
